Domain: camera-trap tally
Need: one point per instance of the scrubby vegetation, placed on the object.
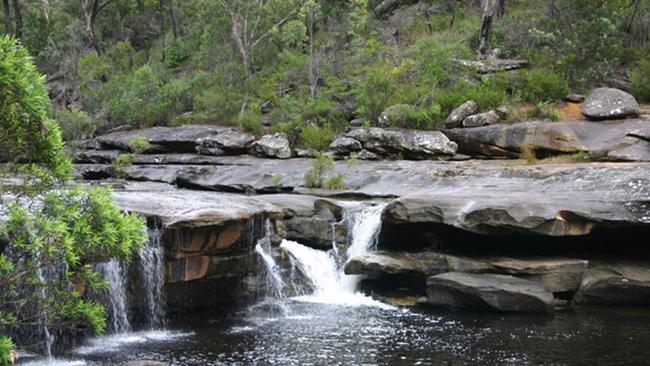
(309, 67)
(51, 231)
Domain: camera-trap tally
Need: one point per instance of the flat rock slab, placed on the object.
(556, 274)
(624, 140)
(184, 208)
(616, 283)
(562, 200)
(489, 292)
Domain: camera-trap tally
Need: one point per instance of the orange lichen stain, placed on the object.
(570, 111)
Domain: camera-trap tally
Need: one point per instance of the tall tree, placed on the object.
(6, 10)
(489, 10)
(253, 21)
(18, 16)
(91, 11)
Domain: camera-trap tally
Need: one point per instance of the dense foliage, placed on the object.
(309, 67)
(51, 232)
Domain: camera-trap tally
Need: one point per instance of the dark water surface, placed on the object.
(318, 334)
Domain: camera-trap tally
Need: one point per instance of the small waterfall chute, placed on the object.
(151, 259)
(115, 273)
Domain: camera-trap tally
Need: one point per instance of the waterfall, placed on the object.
(152, 266)
(363, 226)
(328, 282)
(273, 278)
(114, 272)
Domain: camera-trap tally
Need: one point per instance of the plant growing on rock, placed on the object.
(53, 232)
(139, 144)
(322, 165)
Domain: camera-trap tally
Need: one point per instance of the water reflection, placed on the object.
(321, 334)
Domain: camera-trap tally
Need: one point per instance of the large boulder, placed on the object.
(625, 140)
(618, 283)
(481, 119)
(431, 144)
(273, 146)
(410, 144)
(608, 103)
(489, 292)
(556, 274)
(228, 142)
(458, 115)
(345, 145)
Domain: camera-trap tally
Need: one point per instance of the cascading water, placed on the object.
(114, 272)
(328, 282)
(273, 278)
(152, 266)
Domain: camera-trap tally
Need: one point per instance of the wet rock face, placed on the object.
(623, 282)
(489, 292)
(273, 146)
(458, 115)
(608, 103)
(626, 140)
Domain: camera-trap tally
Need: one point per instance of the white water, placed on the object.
(329, 284)
(115, 342)
(363, 226)
(273, 278)
(114, 272)
(152, 262)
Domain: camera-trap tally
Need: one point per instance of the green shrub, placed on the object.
(75, 124)
(314, 137)
(377, 92)
(139, 144)
(250, 122)
(122, 162)
(640, 81)
(6, 346)
(321, 165)
(489, 94)
(543, 86)
(175, 54)
(336, 181)
(219, 104)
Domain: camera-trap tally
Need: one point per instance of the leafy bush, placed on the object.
(640, 81)
(543, 86)
(176, 54)
(488, 94)
(75, 124)
(336, 181)
(122, 162)
(322, 165)
(139, 144)
(6, 346)
(376, 92)
(250, 122)
(58, 230)
(314, 137)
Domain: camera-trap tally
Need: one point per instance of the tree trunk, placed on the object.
(242, 44)
(19, 19)
(489, 9)
(161, 9)
(172, 16)
(7, 17)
